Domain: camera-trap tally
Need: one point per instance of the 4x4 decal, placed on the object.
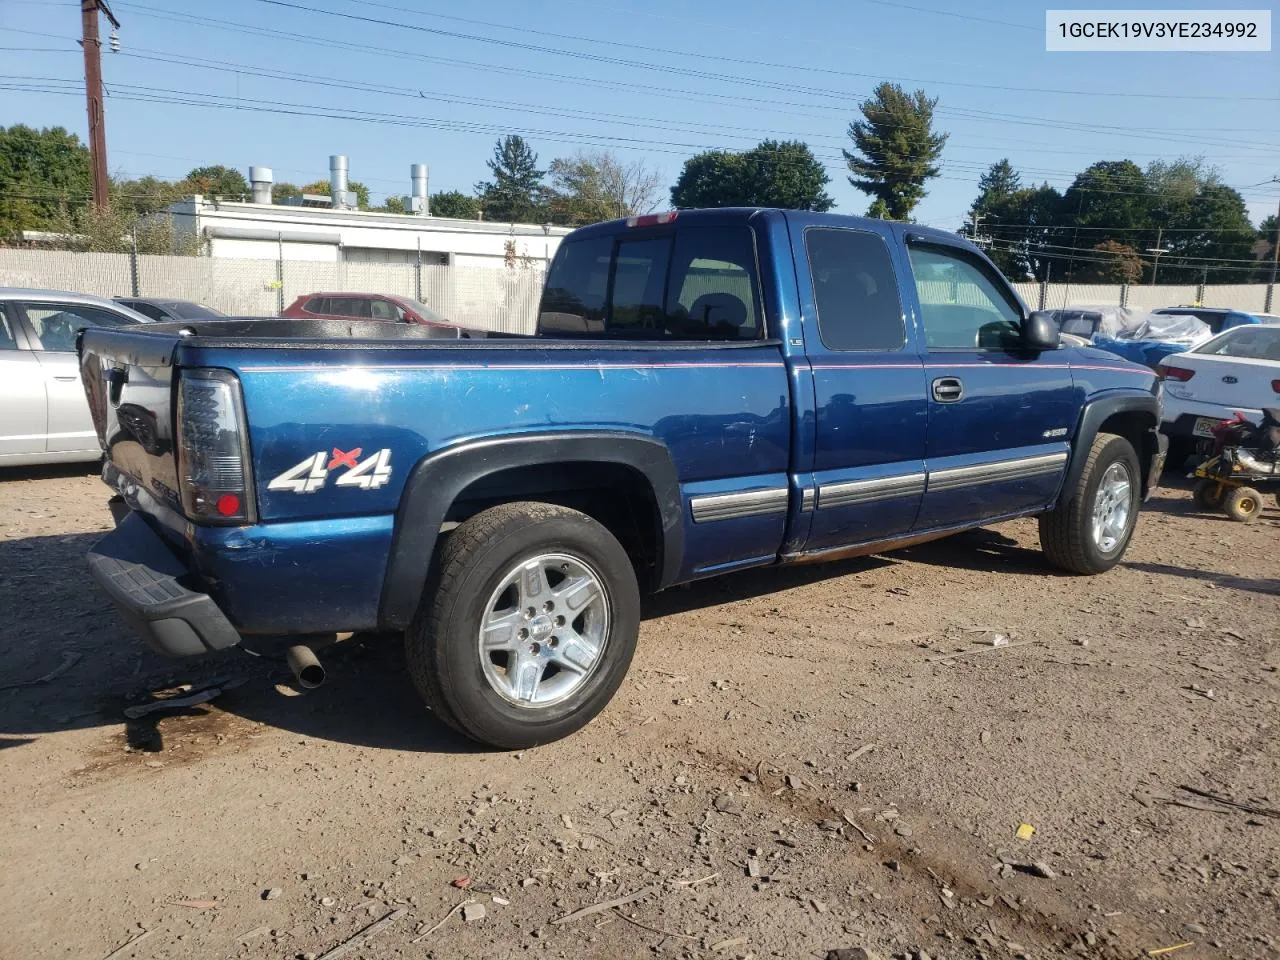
(313, 473)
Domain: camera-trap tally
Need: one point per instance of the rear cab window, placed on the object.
(693, 283)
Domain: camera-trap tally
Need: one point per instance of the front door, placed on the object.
(869, 439)
(999, 415)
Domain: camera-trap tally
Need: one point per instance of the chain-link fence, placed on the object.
(502, 298)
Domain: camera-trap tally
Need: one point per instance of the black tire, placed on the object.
(1208, 493)
(1066, 534)
(442, 643)
(1243, 504)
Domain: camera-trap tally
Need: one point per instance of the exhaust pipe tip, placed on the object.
(307, 668)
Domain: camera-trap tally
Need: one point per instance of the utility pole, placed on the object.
(89, 10)
(1275, 244)
(1155, 252)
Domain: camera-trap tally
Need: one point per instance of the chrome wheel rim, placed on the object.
(544, 630)
(1111, 508)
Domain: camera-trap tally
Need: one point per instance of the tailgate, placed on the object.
(1240, 383)
(127, 378)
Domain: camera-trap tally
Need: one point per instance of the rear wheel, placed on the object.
(1243, 504)
(1208, 493)
(529, 628)
(1090, 534)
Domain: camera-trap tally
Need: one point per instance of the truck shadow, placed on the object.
(69, 663)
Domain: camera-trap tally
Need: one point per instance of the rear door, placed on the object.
(868, 471)
(999, 415)
(23, 417)
(53, 327)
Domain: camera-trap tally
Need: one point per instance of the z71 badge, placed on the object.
(313, 473)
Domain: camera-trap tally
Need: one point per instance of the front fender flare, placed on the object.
(1094, 414)
(438, 478)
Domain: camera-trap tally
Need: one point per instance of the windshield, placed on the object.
(422, 310)
(1251, 342)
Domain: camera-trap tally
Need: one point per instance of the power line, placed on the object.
(958, 16)
(184, 97)
(667, 68)
(702, 96)
(516, 106)
(703, 56)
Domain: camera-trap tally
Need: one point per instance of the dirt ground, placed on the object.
(795, 765)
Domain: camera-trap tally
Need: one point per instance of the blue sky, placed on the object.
(713, 74)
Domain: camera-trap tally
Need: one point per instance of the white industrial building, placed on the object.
(328, 229)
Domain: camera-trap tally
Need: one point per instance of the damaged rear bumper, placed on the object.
(143, 578)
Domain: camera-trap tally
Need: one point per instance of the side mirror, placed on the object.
(1039, 332)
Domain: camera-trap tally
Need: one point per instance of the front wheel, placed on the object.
(529, 628)
(1091, 533)
(1243, 504)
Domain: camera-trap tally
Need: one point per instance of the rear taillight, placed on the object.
(1178, 374)
(1275, 385)
(213, 452)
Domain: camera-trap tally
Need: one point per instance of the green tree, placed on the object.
(217, 181)
(1024, 230)
(285, 191)
(712, 179)
(455, 204)
(325, 188)
(146, 195)
(515, 194)
(41, 173)
(997, 185)
(897, 150)
(1266, 247)
(772, 174)
(590, 187)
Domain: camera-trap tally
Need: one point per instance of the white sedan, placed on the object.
(1238, 371)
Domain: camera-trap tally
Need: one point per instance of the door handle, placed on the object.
(947, 389)
(71, 379)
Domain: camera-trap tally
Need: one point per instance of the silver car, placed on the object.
(44, 416)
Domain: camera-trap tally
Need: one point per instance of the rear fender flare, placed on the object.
(438, 479)
(1092, 417)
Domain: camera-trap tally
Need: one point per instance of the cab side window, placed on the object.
(962, 305)
(854, 289)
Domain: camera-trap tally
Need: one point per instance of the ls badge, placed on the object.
(312, 473)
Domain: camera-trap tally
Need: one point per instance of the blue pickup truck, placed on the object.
(707, 391)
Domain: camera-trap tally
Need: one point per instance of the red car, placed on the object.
(364, 306)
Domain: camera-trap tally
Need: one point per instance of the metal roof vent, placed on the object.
(260, 181)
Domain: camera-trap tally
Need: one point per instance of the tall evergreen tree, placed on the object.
(999, 183)
(897, 150)
(515, 192)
